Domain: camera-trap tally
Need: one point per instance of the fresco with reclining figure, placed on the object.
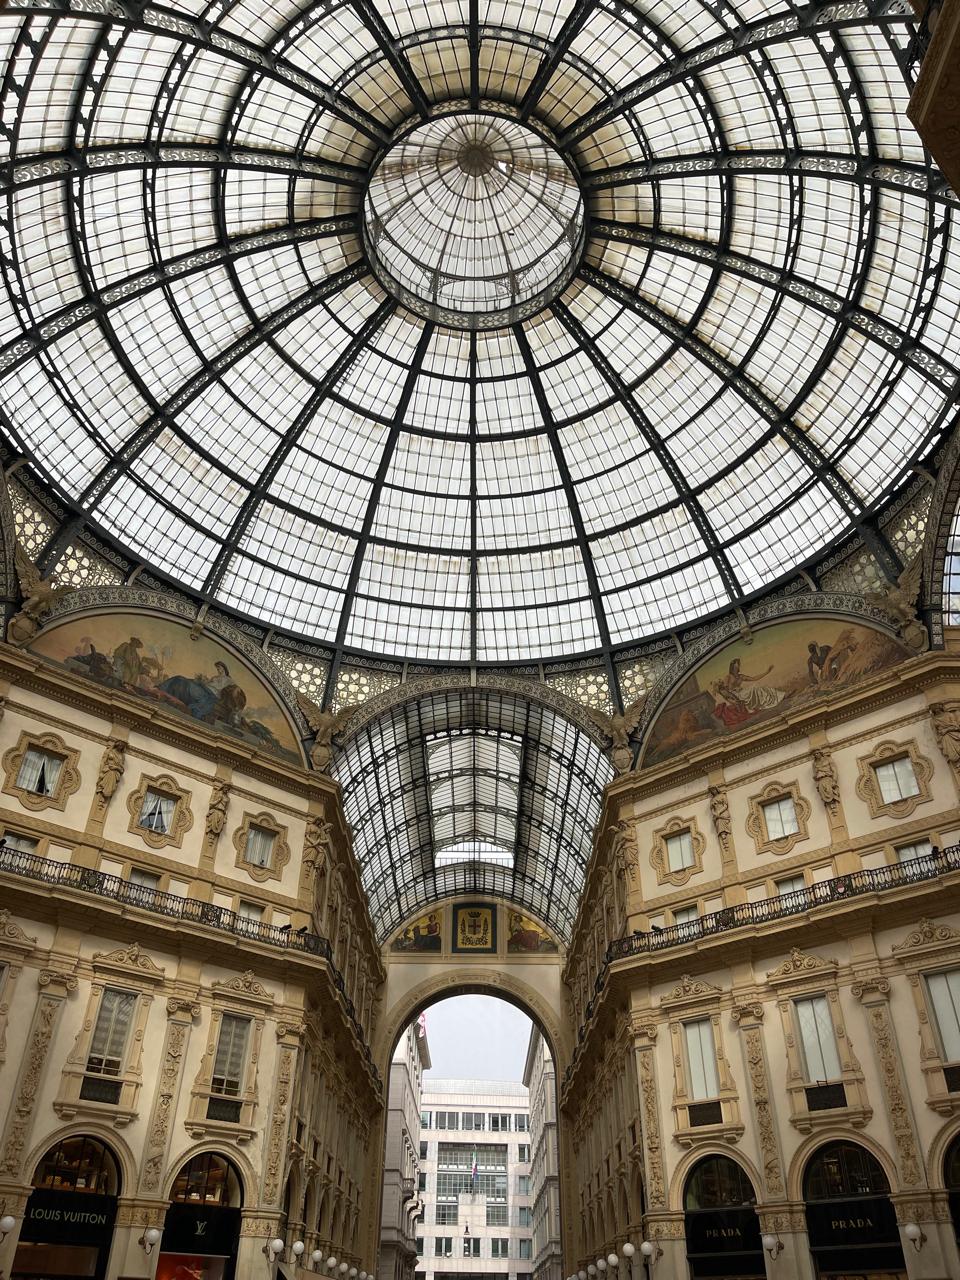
(782, 667)
(155, 659)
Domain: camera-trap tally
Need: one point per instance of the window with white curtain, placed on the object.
(920, 849)
(231, 1054)
(780, 818)
(818, 1041)
(896, 780)
(23, 844)
(39, 771)
(110, 1032)
(679, 851)
(944, 989)
(259, 847)
(790, 884)
(704, 1081)
(156, 812)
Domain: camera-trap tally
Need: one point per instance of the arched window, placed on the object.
(208, 1179)
(79, 1164)
(842, 1171)
(718, 1182)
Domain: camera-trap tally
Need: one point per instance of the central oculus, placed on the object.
(473, 221)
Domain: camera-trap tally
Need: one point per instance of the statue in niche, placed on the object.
(720, 813)
(825, 779)
(946, 725)
(111, 770)
(217, 810)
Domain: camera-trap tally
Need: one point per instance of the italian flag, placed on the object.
(473, 1168)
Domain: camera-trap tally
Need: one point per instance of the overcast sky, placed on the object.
(477, 1038)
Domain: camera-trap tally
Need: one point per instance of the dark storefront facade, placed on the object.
(721, 1224)
(851, 1220)
(201, 1231)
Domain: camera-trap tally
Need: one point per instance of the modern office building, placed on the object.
(540, 1079)
(402, 1204)
(475, 1177)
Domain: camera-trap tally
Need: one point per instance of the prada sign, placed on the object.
(201, 1229)
(711, 1231)
(835, 1223)
(68, 1217)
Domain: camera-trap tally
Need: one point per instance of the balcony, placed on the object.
(28, 866)
(840, 889)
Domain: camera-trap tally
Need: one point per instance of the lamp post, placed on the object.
(7, 1223)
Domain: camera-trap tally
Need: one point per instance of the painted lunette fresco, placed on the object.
(526, 937)
(156, 659)
(422, 934)
(785, 666)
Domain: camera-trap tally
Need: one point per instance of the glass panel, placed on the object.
(231, 1052)
(259, 846)
(110, 1032)
(944, 991)
(680, 851)
(817, 1039)
(701, 1060)
(907, 852)
(156, 812)
(896, 780)
(39, 771)
(780, 817)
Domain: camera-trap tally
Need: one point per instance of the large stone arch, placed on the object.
(102, 1132)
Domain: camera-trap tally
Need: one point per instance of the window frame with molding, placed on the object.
(927, 950)
(694, 1001)
(181, 820)
(868, 782)
(128, 971)
(240, 999)
(660, 854)
(280, 849)
(800, 977)
(68, 776)
(757, 827)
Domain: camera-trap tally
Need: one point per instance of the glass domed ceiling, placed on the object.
(757, 341)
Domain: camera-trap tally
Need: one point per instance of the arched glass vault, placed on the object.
(754, 340)
(472, 791)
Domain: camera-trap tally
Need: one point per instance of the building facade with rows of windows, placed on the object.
(475, 1181)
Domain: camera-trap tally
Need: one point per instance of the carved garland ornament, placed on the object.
(748, 1018)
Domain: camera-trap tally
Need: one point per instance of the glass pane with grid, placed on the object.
(944, 989)
(680, 851)
(231, 1052)
(780, 818)
(156, 812)
(39, 771)
(259, 847)
(110, 1032)
(896, 780)
(701, 1059)
(817, 1039)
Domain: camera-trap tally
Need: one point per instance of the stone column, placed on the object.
(778, 1216)
(660, 1226)
(55, 987)
(938, 1257)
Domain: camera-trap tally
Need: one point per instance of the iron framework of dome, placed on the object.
(757, 342)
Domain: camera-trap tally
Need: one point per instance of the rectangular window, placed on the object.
(780, 818)
(817, 1040)
(252, 912)
(447, 1215)
(144, 879)
(426, 1119)
(39, 771)
(523, 1153)
(419, 1246)
(156, 812)
(448, 1119)
(471, 1246)
(685, 915)
(499, 1123)
(896, 780)
(944, 991)
(524, 1217)
(521, 1122)
(526, 1250)
(423, 1151)
(790, 884)
(443, 1247)
(259, 847)
(701, 1059)
(22, 844)
(680, 851)
(110, 1032)
(231, 1054)
(473, 1120)
(421, 1182)
(500, 1247)
(907, 852)
(496, 1215)
(523, 1184)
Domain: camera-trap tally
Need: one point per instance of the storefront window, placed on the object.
(78, 1164)
(201, 1232)
(721, 1224)
(850, 1218)
(207, 1179)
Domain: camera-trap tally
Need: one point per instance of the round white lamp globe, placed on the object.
(601, 1265)
(647, 1249)
(151, 1235)
(612, 1259)
(276, 1246)
(344, 1268)
(352, 1273)
(629, 1250)
(331, 1262)
(298, 1247)
(912, 1231)
(7, 1223)
(316, 1256)
(581, 1275)
(769, 1243)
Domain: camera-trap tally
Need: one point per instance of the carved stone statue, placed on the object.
(37, 595)
(316, 843)
(217, 810)
(720, 813)
(618, 729)
(825, 779)
(898, 600)
(326, 725)
(623, 850)
(111, 770)
(946, 725)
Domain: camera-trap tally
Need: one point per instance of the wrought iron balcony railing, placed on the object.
(856, 884)
(30, 866)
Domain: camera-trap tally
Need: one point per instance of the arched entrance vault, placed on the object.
(535, 987)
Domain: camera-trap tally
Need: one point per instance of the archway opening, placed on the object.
(951, 1180)
(68, 1224)
(851, 1220)
(202, 1227)
(471, 1153)
(720, 1221)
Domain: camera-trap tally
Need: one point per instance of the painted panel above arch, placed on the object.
(783, 667)
(164, 663)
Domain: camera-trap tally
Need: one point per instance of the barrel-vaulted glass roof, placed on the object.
(756, 335)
